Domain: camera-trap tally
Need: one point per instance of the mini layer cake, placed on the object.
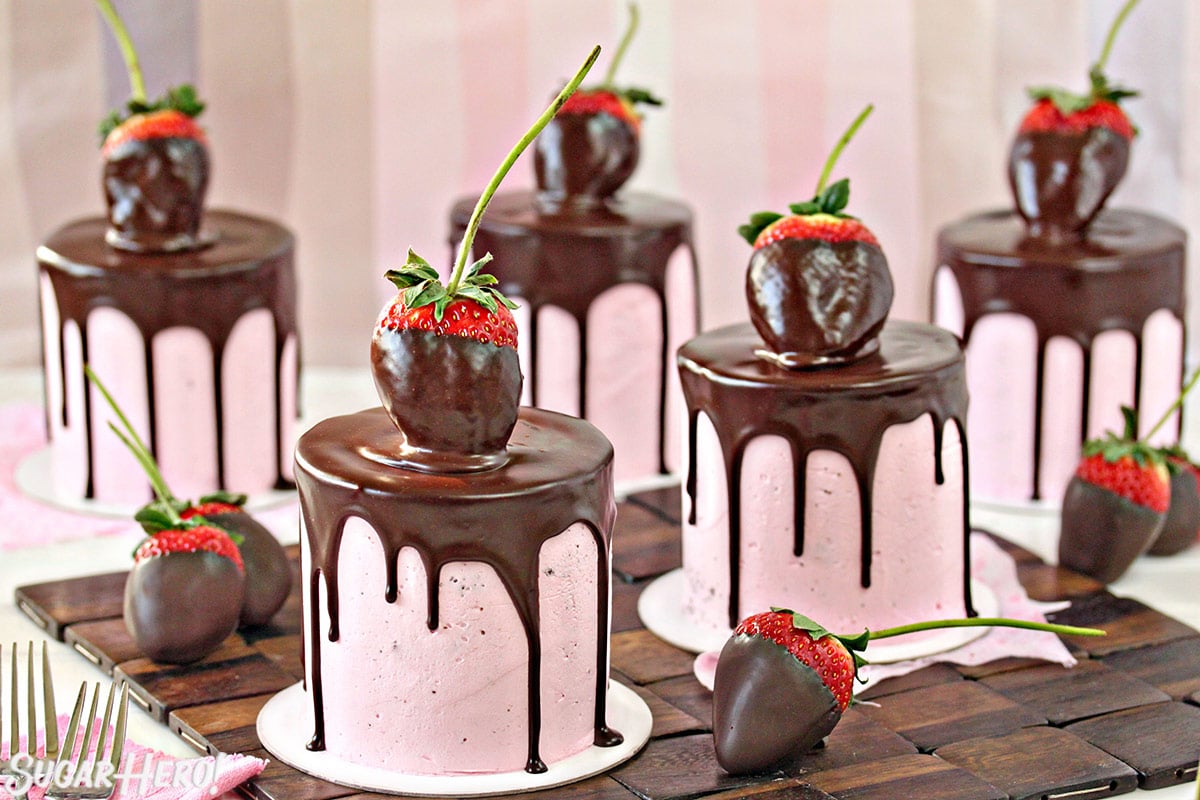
(827, 463)
(199, 346)
(1059, 337)
(607, 293)
(1068, 311)
(456, 623)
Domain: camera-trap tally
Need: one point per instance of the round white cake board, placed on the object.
(285, 720)
(35, 480)
(661, 610)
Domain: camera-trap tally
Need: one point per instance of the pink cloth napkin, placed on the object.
(996, 570)
(25, 522)
(148, 774)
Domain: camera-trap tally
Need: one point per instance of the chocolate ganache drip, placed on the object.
(559, 473)
(1127, 266)
(249, 267)
(568, 256)
(917, 370)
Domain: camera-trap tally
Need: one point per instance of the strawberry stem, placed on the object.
(137, 87)
(1178, 404)
(841, 145)
(136, 446)
(630, 29)
(981, 622)
(1112, 34)
(468, 239)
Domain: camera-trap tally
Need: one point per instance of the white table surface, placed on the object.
(1171, 585)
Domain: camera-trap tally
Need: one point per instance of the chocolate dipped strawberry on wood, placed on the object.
(444, 356)
(1071, 151)
(818, 284)
(155, 162)
(783, 682)
(591, 147)
(268, 578)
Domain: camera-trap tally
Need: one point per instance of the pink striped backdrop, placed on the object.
(358, 121)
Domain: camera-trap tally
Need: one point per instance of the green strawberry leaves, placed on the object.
(831, 200)
(178, 98)
(638, 96)
(421, 286)
(222, 496)
(1114, 447)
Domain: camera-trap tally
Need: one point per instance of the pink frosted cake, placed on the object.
(198, 346)
(457, 623)
(606, 292)
(876, 451)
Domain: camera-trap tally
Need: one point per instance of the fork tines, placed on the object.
(49, 715)
(94, 777)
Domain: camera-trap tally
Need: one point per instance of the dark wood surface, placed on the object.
(942, 732)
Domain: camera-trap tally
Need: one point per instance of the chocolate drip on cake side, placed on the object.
(209, 289)
(1128, 266)
(844, 409)
(566, 254)
(445, 519)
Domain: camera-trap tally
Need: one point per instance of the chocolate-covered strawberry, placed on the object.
(818, 284)
(268, 576)
(1114, 505)
(783, 681)
(1181, 527)
(155, 161)
(184, 594)
(444, 356)
(590, 149)
(1071, 151)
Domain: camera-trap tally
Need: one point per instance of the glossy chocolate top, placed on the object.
(559, 472)
(917, 370)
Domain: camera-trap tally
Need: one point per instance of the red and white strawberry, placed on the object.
(155, 162)
(444, 356)
(782, 682)
(268, 574)
(591, 147)
(197, 539)
(1071, 151)
(1114, 505)
(818, 284)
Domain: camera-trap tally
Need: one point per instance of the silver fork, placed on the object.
(94, 778)
(19, 779)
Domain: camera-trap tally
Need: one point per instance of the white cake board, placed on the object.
(661, 610)
(286, 720)
(1030, 508)
(35, 479)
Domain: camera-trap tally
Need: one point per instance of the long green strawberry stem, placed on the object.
(840, 146)
(468, 239)
(984, 622)
(138, 447)
(137, 87)
(626, 38)
(1178, 404)
(1112, 34)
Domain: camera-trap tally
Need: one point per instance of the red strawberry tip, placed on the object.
(181, 98)
(200, 537)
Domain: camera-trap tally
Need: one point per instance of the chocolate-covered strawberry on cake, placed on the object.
(190, 315)
(1068, 310)
(455, 552)
(606, 278)
(826, 455)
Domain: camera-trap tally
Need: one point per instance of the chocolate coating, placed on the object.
(1129, 265)
(767, 706)
(567, 257)
(1182, 524)
(179, 607)
(248, 267)
(1060, 180)
(917, 370)
(816, 302)
(155, 192)
(453, 399)
(1102, 532)
(584, 157)
(268, 577)
(559, 472)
